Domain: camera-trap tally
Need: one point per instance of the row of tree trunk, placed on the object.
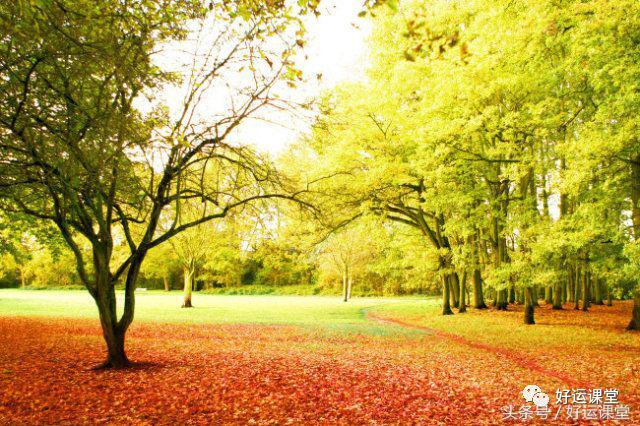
(582, 288)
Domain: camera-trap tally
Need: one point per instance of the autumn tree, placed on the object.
(78, 149)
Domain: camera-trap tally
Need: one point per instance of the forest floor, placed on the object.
(309, 360)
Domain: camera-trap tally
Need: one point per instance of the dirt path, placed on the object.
(517, 358)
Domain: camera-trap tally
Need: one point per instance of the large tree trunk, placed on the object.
(558, 292)
(478, 294)
(117, 357)
(446, 306)
(501, 303)
(597, 288)
(114, 331)
(529, 306)
(535, 296)
(189, 273)
(454, 284)
(634, 324)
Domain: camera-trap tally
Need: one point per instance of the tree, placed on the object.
(161, 263)
(76, 149)
(349, 252)
(191, 248)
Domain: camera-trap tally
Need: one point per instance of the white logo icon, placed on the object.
(533, 393)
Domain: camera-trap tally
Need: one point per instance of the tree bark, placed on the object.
(501, 303)
(463, 294)
(349, 282)
(634, 324)
(529, 306)
(585, 290)
(344, 284)
(23, 278)
(454, 284)
(189, 272)
(548, 295)
(576, 288)
(478, 294)
(570, 284)
(105, 298)
(446, 306)
(558, 291)
(117, 357)
(597, 288)
(165, 280)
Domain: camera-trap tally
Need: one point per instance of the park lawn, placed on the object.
(289, 360)
(164, 307)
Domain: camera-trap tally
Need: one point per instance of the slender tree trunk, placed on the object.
(189, 272)
(570, 284)
(609, 297)
(529, 306)
(634, 324)
(344, 284)
(519, 297)
(446, 306)
(585, 290)
(548, 295)
(478, 294)
(576, 292)
(165, 280)
(463, 294)
(23, 278)
(512, 294)
(349, 281)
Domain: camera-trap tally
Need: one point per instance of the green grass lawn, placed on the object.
(164, 307)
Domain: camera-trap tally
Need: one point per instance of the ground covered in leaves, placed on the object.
(408, 367)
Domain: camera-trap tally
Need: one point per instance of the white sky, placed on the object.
(337, 50)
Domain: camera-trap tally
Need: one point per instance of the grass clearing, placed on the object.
(329, 312)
